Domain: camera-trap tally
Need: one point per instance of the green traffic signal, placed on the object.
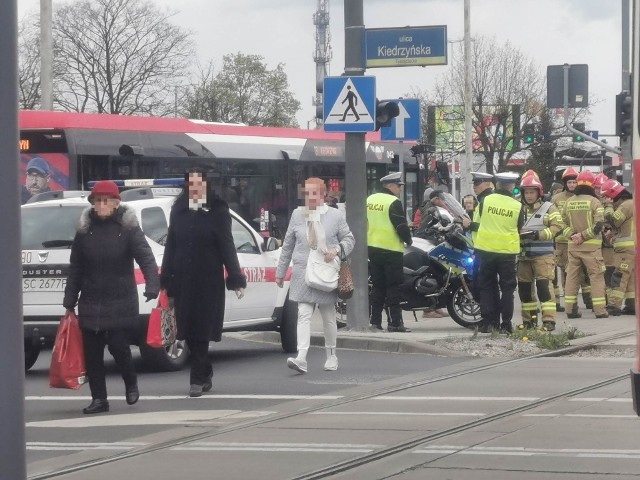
(578, 137)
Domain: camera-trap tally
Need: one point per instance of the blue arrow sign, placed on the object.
(349, 104)
(593, 133)
(406, 126)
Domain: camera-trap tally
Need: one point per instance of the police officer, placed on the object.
(619, 211)
(536, 262)
(387, 234)
(583, 216)
(482, 187)
(497, 223)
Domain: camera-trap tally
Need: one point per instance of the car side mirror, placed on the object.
(270, 244)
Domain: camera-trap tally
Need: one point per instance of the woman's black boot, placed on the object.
(97, 405)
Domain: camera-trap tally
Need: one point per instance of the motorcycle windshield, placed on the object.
(450, 204)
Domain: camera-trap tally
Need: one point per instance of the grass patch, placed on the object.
(548, 340)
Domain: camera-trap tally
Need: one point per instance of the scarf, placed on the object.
(316, 236)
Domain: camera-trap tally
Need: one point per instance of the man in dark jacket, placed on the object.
(107, 242)
(198, 250)
(387, 233)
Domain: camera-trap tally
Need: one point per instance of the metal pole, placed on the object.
(467, 165)
(46, 55)
(356, 174)
(625, 145)
(12, 446)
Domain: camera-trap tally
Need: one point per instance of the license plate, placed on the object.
(43, 284)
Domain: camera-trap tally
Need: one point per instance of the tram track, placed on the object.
(398, 448)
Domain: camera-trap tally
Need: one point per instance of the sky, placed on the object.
(551, 32)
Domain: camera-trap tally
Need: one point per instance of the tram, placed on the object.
(258, 169)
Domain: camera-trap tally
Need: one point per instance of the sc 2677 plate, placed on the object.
(43, 284)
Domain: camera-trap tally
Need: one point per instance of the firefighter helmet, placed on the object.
(532, 181)
(529, 173)
(586, 177)
(569, 174)
(611, 188)
(599, 180)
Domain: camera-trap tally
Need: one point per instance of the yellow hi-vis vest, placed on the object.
(380, 231)
(498, 225)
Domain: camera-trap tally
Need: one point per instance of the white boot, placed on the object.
(299, 364)
(332, 361)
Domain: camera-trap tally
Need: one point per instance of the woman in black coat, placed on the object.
(107, 241)
(198, 250)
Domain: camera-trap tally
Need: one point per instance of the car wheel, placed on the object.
(31, 353)
(289, 327)
(167, 359)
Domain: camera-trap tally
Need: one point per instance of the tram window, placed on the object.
(242, 238)
(154, 224)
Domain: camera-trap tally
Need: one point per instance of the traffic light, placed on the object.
(528, 133)
(386, 111)
(577, 137)
(623, 114)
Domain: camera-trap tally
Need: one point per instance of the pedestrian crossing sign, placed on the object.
(349, 104)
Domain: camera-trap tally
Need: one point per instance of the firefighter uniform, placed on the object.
(537, 262)
(621, 215)
(583, 216)
(497, 224)
(387, 232)
(607, 237)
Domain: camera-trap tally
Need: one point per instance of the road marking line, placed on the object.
(279, 447)
(64, 398)
(578, 415)
(463, 399)
(180, 417)
(529, 452)
(416, 414)
(273, 449)
(584, 399)
(71, 446)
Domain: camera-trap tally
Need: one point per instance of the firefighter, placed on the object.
(619, 211)
(607, 238)
(537, 263)
(583, 216)
(387, 234)
(569, 179)
(497, 223)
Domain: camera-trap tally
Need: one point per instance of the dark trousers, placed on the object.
(385, 268)
(496, 283)
(201, 369)
(118, 343)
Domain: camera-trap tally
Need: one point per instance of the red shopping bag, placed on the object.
(67, 368)
(161, 331)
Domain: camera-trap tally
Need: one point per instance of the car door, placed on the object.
(261, 292)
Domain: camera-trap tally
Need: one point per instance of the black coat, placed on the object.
(199, 247)
(101, 270)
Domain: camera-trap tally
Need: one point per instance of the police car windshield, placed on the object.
(49, 227)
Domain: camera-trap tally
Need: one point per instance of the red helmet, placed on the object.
(599, 180)
(529, 173)
(611, 188)
(569, 174)
(586, 177)
(531, 181)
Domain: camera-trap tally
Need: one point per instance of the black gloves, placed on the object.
(150, 295)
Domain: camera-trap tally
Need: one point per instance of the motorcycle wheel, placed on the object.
(464, 312)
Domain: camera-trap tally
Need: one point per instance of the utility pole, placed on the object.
(467, 164)
(46, 55)
(356, 173)
(625, 144)
(12, 446)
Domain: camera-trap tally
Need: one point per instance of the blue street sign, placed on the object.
(593, 133)
(406, 126)
(405, 47)
(349, 104)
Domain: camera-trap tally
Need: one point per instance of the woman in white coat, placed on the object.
(313, 226)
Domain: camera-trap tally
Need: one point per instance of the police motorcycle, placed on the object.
(438, 267)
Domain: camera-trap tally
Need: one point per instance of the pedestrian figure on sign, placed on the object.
(352, 98)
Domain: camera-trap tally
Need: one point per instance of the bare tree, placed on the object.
(244, 91)
(118, 56)
(29, 68)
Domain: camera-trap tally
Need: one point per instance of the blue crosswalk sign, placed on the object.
(406, 126)
(349, 104)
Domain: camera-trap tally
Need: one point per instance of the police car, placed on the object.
(48, 228)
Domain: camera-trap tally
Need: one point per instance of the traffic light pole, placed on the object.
(625, 141)
(12, 446)
(569, 127)
(356, 174)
